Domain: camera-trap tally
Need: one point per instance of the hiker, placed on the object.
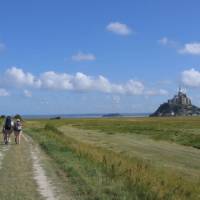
(17, 130)
(7, 129)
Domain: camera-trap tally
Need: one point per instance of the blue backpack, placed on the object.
(8, 124)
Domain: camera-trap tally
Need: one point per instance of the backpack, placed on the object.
(17, 126)
(8, 123)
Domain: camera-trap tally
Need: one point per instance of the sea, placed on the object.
(95, 115)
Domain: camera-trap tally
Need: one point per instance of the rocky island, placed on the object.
(179, 105)
(112, 115)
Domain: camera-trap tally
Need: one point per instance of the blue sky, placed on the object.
(97, 56)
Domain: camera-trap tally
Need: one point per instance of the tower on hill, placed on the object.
(179, 105)
(180, 99)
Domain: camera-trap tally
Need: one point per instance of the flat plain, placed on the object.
(125, 158)
(105, 159)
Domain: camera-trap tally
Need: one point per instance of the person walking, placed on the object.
(7, 129)
(17, 130)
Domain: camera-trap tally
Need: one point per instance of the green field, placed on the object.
(104, 158)
(124, 158)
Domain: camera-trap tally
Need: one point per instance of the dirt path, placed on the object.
(26, 173)
(45, 187)
(3, 150)
(16, 174)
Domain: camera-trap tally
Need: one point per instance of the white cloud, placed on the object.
(17, 77)
(80, 82)
(4, 92)
(27, 93)
(134, 87)
(83, 82)
(168, 42)
(191, 48)
(191, 78)
(56, 81)
(83, 57)
(119, 28)
(188, 48)
(2, 47)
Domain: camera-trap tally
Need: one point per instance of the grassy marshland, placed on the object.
(125, 158)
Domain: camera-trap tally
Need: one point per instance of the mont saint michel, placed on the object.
(179, 105)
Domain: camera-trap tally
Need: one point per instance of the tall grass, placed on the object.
(181, 130)
(103, 174)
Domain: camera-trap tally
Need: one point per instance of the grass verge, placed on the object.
(103, 174)
(181, 130)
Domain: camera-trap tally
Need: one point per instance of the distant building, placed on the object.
(179, 105)
(180, 99)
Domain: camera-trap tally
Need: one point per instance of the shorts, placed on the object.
(17, 132)
(7, 131)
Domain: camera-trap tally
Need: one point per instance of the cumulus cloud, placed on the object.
(134, 87)
(83, 57)
(55, 81)
(4, 92)
(83, 82)
(27, 93)
(191, 78)
(191, 48)
(119, 28)
(17, 77)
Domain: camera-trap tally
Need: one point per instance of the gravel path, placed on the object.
(3, 150)
(28, 172)
(45, 187)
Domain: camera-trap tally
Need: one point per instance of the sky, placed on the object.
(75, 57)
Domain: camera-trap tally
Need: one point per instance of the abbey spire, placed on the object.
(179, 105)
